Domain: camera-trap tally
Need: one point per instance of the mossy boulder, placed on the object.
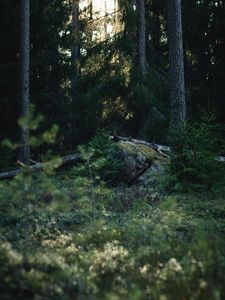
(137, 158)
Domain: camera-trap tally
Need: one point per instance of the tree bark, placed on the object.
(176, 59)
(141, 38)
(75, 47)
(74, 115)
(24, 153)
(177, 85)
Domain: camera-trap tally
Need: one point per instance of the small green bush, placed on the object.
(198, 165)
(103, 161)
(205, 143)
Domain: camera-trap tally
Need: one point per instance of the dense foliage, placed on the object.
(63, 237)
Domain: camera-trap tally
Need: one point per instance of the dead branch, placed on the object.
(63, 161)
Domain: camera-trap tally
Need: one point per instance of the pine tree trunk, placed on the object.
(75, 47)
(24, 79)
(177, 83)
(141, 38)
(74, 115)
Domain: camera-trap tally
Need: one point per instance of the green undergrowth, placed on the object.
(66, 237)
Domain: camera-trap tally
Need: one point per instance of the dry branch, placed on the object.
(64, 161)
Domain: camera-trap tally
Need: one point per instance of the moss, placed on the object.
(135, 150)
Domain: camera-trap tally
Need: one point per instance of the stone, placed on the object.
(137, 159)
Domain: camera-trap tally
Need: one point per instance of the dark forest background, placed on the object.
(109, 92)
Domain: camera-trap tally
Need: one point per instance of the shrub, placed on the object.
(103, 161)
(205, 143)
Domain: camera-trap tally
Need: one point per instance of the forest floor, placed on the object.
(66, 238)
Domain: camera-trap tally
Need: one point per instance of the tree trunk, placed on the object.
(75, 47)
(74, 116)
(24, 79)
(177, 84)
(141, 38)
(156, 30)
(91, 9)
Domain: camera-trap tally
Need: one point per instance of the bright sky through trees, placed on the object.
(100, 7)
(103, 6)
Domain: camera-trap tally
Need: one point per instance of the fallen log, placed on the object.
(157, 147)
(63, 161)
(76, 158)
(136, 159)
(154, 146)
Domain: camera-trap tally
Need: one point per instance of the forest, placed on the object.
(112, 149)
